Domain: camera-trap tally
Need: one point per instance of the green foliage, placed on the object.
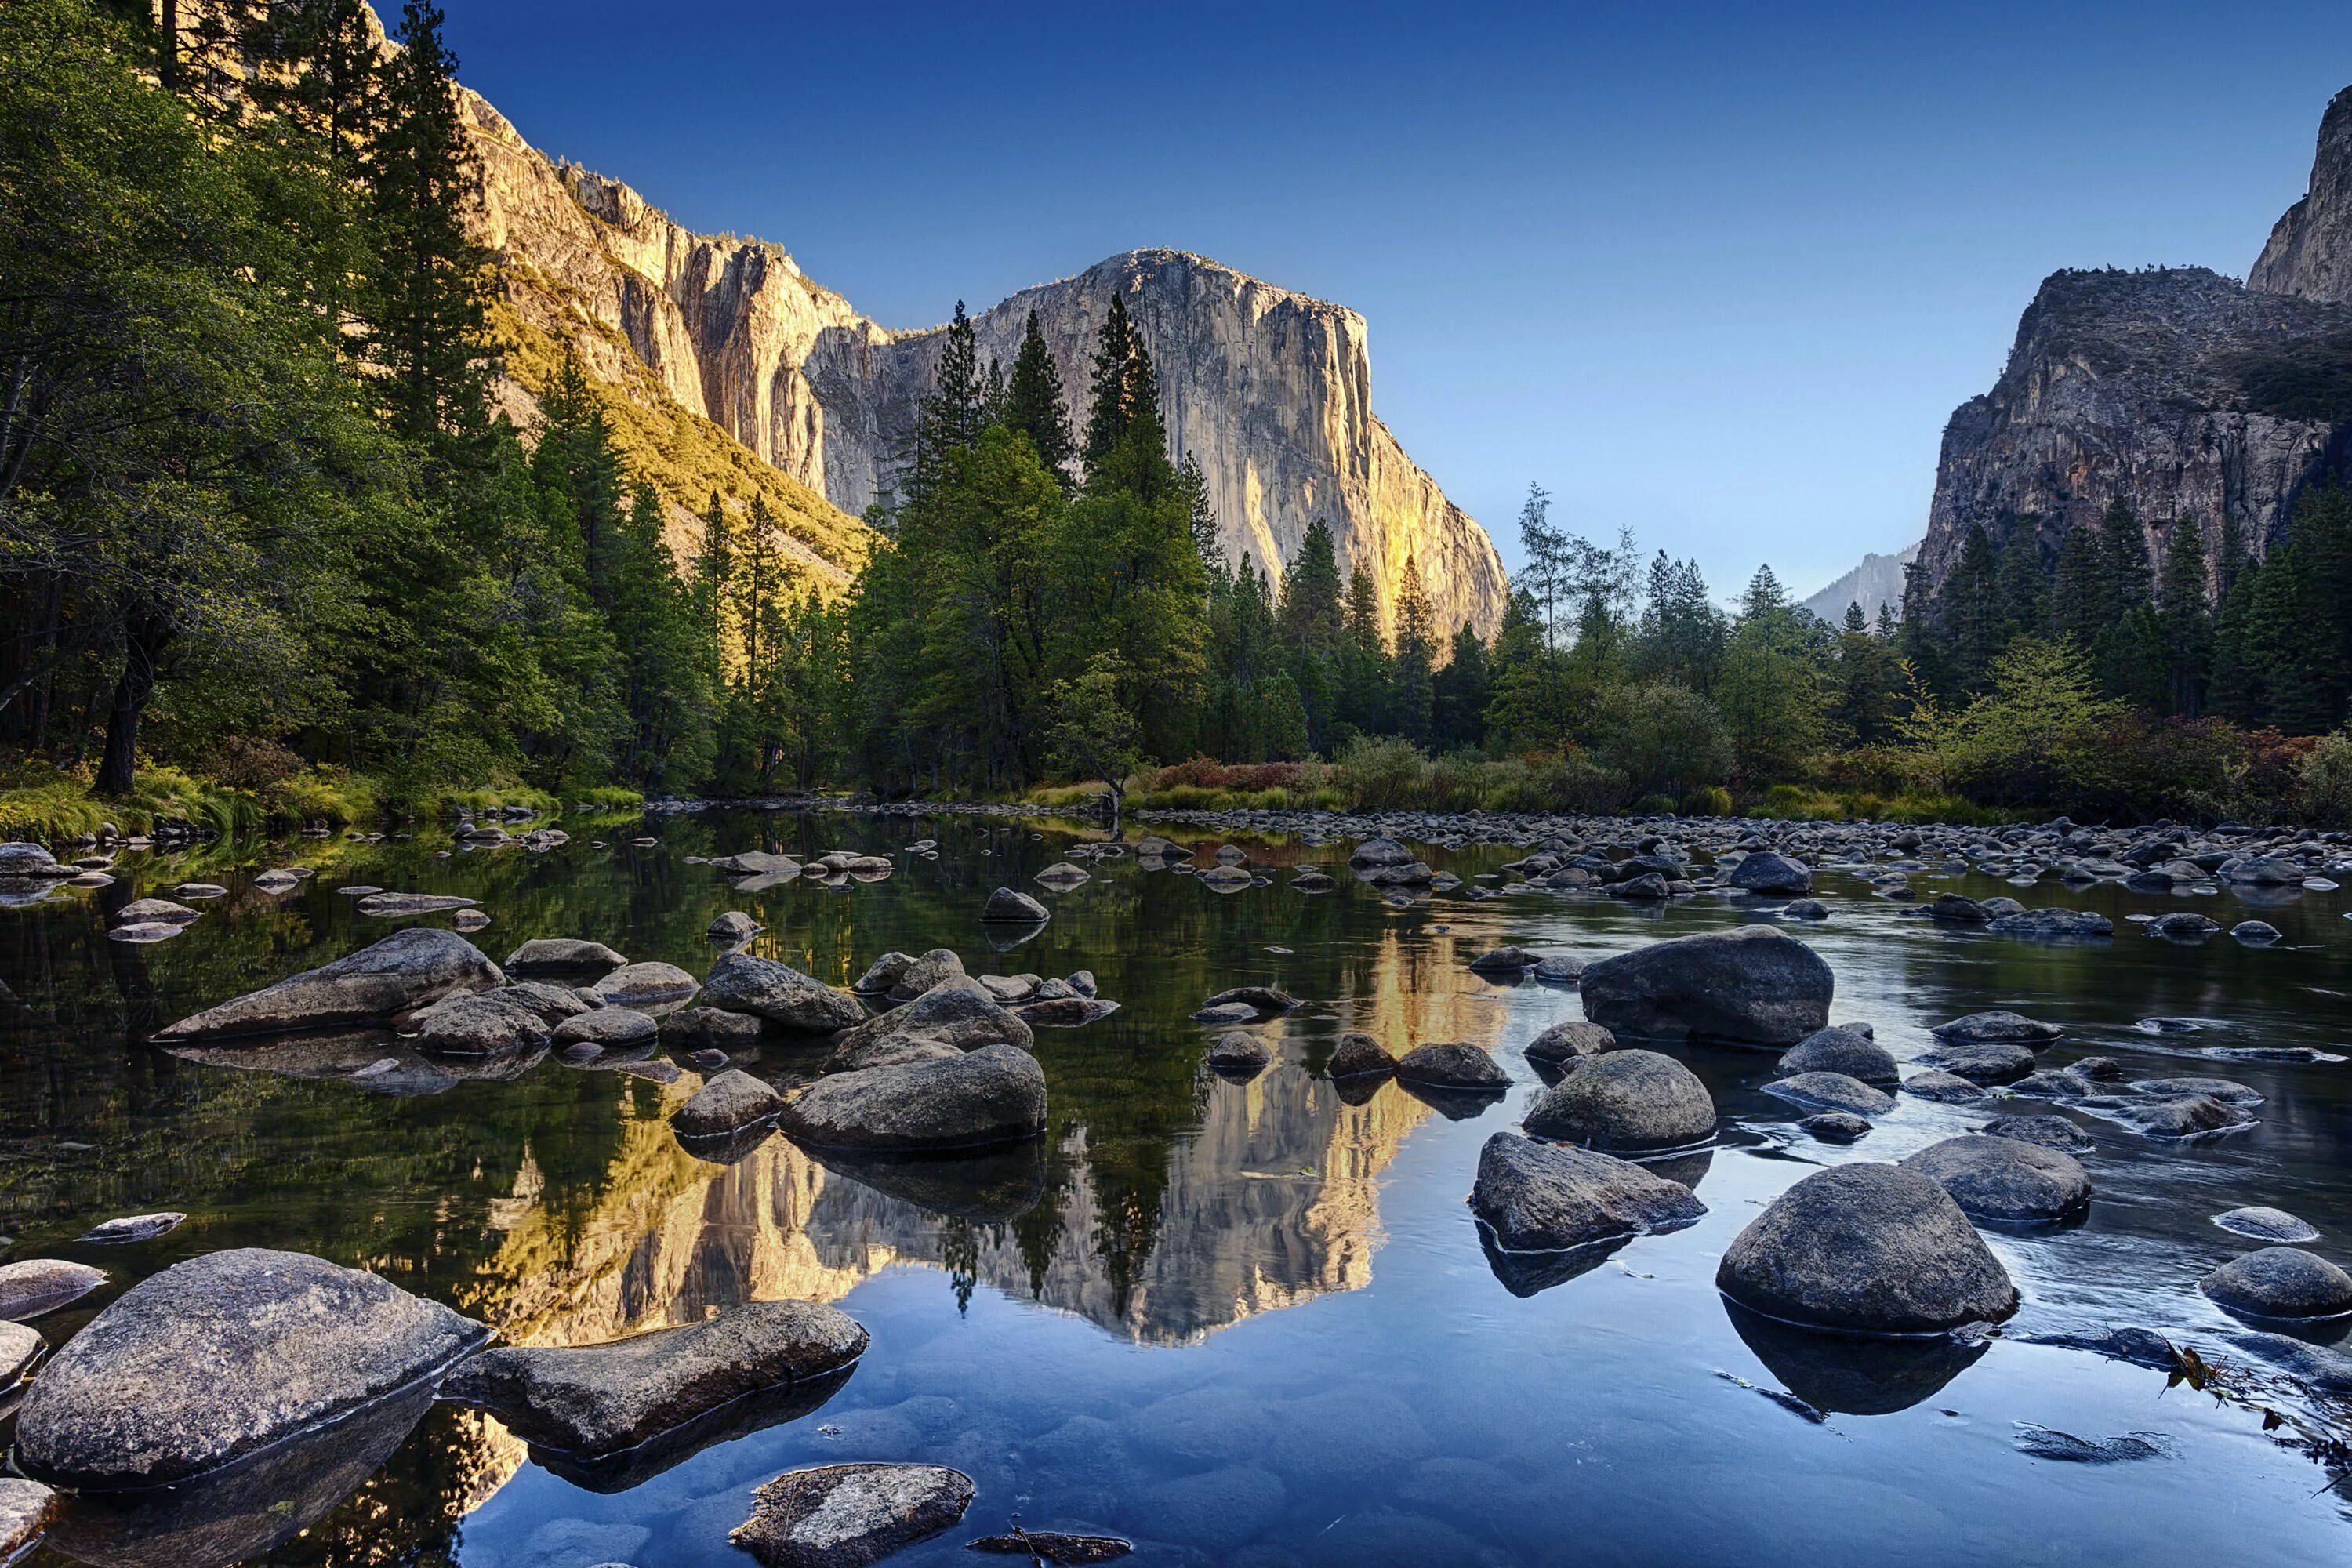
(2323, 786)
(1662, 738)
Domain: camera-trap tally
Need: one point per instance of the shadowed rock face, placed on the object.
(1270, 389)
(2153, 386)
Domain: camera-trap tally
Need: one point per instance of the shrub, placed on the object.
(2322, 783)
(1708, 800)
(1380, 773)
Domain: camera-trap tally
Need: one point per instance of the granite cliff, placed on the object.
(2185, 393)
(1270, 389)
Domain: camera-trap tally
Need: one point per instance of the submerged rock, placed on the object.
(1866, 1250)
(1547, 1197)
(400, 906)
(220, 1356)
(1265, 1001)
(2281, 1282)
(2053, 924)
(991, 1096)
(2006, 1179)
(849, 1516)
(406, 970)
(2185, 1116)
(601, 1399)
(1756, 985)
(1629, 1101)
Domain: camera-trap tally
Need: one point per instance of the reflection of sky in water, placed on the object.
(1249, 1320)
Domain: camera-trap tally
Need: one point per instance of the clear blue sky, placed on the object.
(1720, 273)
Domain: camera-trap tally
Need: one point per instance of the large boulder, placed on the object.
(958, 1012)
(745, 983)
(1755, 985)
(1009, 906)
(1842, 1048)
(1766, 872)
(1375, 853)
(850, 1516)
(406, 970)
(2006, 1180)
(2279, 1282)
(887, 1051)
(1626, 1102)
(601, 1399)
(986, 1097)
(1451, 1065)
(728, 1103)
(563, 954)
(485, 1024)
(1546, 1197)
(1866, 1250)
(225, 1354)
(1360, 1056)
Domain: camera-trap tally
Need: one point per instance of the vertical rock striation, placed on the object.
(2180, 391)
(1270, 389)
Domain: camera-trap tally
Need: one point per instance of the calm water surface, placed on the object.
(1246, 1323)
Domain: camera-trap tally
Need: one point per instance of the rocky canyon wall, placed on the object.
(1270, 389)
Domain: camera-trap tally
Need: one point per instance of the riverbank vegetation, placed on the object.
(271, 550)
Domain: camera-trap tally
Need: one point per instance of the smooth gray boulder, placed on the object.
(756, 863)
(2229, 1092)
(1626, 1102)
(850, 1516)
(2177, 1116)
(1943, 1088)
(993, 1095)
(612, 1028)
(602, 1399)
(1836, 1126)
(1768, 872)
(1451, 1065)
(1550, 1197)
(38, 1285)
(406, 970)
(225, 1354)
(132, 1227)
(919, 975)
(2256, 933)
(1754, 985)
(2002, 1028)
(2263, 1224)
(728, 1103)
(2280, 1282)
(1009, 906)
(2006, 1180)
(485, 1024)
(2050, 1131)
(746, 983)
(1831, 1091)
(1360, 1056)
(1866, 1250)
(646, 984)
(1842, 1049)
(1569, 1041)
(563, 954)
(958, 1012)
(1506, 961)
(1374, 853)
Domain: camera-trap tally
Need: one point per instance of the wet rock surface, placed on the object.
(991, 1096)
(1550, 1197)
(405, 972)
(1755, 984)
(2281, 1282)
(744, 982)
(1629, 1101)
(2006, 1179)
(848, 1516)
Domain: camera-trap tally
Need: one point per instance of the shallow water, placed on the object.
(1240, 1323)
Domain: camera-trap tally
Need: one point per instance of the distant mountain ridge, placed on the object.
(2181, 392)
(1878, 581)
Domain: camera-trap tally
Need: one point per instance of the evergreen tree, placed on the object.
(2185, 618)
(1192, 486)
(2022, 587)
(1123, 386)
(1364, 698)
(1416, 653)
(433, 291)
(1970, 610)
(1462, 690)
(1033, 405)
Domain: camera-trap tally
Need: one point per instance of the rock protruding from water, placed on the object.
(984, 1098)
(745, 983)
(1627, 1102)
(1841, 1049)
(220, 1356)
(850, 1516)
(406, 970)
(2262, 1223)
(645, 984)
(1451, 1065)
(38, 1285)
(728, 1103)
(2003, 1027)
(958, 1012)
(1360, 1056)
(1550, 1197)
(1866, 1250)
(602, 1399)
(2006, 1180)
(1831, 1091)
(1239, 1054)
(1570, 1042)
(486, 1024)
(1768, 872)
(1010, 906)
(562, 956)
(734, 926)
(1755, 985)
(2281, 1282)
(25, 1507)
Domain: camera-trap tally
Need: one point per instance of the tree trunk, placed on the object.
(167, 46)
(143, 643)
